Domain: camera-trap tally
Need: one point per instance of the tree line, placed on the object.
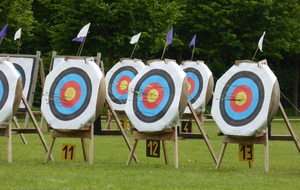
(226, 31)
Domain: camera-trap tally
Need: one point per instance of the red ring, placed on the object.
(63, 100)
(118, 87)
(234, 99)
(192, 84)
(160, 93)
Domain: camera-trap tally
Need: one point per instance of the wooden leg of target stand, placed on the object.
(85, 157)
(9, 144)
(221, 155)
(132, 152)
(50, 150)
(165, 152)
(91, 158)
(266, 152)
(175, 148)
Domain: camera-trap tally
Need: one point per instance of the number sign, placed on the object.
(246, 152)
(153, 148)
(186, 126)
(68, 152)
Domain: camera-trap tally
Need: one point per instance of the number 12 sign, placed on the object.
(68, 152)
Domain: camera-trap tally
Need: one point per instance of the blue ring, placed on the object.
(242, 115)
(70, 77)
(70, 74)
(197, 84)
(160, 107)
(128, 73)
(112, 93)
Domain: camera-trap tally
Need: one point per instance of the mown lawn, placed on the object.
(109, 171)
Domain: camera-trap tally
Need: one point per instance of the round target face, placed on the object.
(118, 84)
(3, 89)
(21, 72)
(195, 83)
(69, 94)
(242, 98)
(155, 93)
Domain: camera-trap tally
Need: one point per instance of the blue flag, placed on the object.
(80, 39)
(3, 32)
(193, 41)
(170, 36)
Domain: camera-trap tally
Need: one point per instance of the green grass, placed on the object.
(109, 171)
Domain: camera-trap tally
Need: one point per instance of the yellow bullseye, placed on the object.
(241, 98)
(70, 93)
(152, 95)
(189, 86)
(123, 85)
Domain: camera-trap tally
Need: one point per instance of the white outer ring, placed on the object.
(12, 76)
(259, 124)
(88, 115)
(27, 65)
(171, 117)
(135, 63)
(200, 103)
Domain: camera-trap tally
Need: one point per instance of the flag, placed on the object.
(260, 42)
(80, 39)
(3, 31)
(135, 38)
(170, 36)
(83, 32)
(193, 41)
(18, 34)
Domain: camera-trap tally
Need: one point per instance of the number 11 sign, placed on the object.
(68, 152)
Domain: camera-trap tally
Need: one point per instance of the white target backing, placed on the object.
(10, 91)
(27, 68)
(118, 79)
(157, 96)
(200, 85)
(242, 98)
(73, 94)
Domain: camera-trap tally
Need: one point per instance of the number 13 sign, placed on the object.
(246, 152)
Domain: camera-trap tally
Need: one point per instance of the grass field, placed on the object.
(109, 171)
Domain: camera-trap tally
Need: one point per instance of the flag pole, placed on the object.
(162, 56)
(254, 54)
(133, 50)
(80, 47)
(193, 53)
(19, 43)
(82, 44)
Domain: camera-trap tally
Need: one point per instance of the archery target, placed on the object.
(118, 79)
(27, 69)
(10, 92)
(242, 98)
(200, 84)
(156, 96)
(73, 95)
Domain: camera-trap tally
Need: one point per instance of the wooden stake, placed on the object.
(254, 54)
(162, 56)
(193, 53)
(19, 43)
(133, 50)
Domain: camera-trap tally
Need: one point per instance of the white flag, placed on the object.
(135, 38)
(260, 42)
(83, 32)
(17, 34)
